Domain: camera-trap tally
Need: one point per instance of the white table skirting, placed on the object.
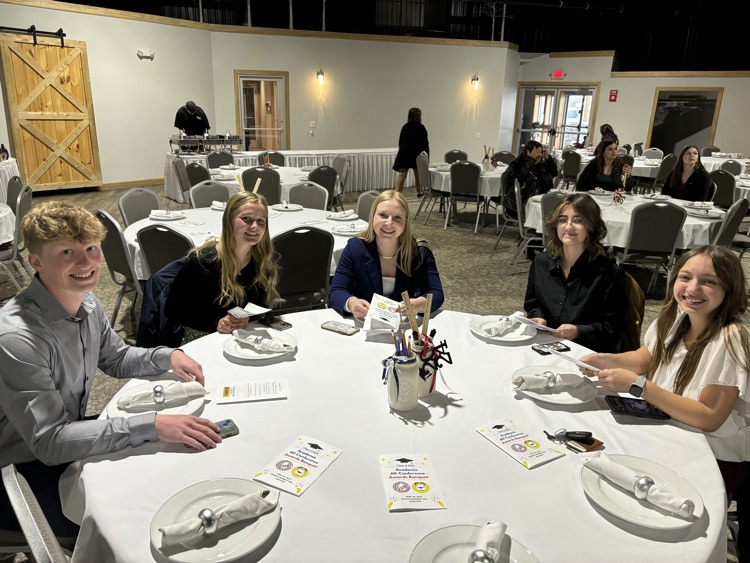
(7, 223)
(8, 169)
(490, 183)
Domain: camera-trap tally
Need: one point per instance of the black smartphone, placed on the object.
(273, 322)
(544, 349)
(634, 407)
(227, 428)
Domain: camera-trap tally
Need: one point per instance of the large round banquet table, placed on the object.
(696, 230)
(205, 222)
(335, 395)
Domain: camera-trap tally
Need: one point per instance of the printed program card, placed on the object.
(527, 450)
(382, 314)
(295, 469)
(245, 391)
(410, 483)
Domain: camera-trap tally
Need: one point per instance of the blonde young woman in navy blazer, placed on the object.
(386, 259)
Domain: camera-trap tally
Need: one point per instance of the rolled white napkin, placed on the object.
(707, 204)
(164, 213)
(216, 203)
(342, 214)
(261, 343)
(175, 393)
(504, 325)
(243, 508)
(626, 478)
(539, 381)
(490, 537)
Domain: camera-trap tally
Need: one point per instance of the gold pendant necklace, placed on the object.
(386, 257)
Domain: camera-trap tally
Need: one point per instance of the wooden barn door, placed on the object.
(51, 112)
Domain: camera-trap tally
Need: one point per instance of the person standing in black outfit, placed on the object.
(688, 179)
(411, 142)
(191, 120)
(535, 171)
(573, 286)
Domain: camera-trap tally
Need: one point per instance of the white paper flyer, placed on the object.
(527, 450)
(243, 391)
(295, 469)
(382, 314)
(410, 483)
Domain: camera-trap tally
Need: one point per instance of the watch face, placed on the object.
(635, 390)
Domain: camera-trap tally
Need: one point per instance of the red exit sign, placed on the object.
(558, 74)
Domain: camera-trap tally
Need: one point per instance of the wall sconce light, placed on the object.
(145, 54)
(475, 81)
(320, 76)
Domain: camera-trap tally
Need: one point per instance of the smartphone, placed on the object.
(545, 349)
(341, 328)
(275, 323)
(227, 428)
(634, 407)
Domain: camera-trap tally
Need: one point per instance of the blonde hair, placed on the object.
(407, 244)
(57, 220)
(262, 254)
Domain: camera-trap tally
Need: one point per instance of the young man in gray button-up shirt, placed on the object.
(53, 336)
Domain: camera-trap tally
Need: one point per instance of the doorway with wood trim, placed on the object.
(262, 106)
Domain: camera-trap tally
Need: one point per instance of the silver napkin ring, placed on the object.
(641, 487)
(209, 522)
(551, 379)
(159, 394)
(480, 556)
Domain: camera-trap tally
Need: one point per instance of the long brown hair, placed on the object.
(589, 211)
(728, 318)
(617, 163)
(679, 166)
(262, 254)
(407, 244)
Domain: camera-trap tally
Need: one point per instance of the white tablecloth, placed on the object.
(711, 163)
(490, 183)
(289, 176)
(336, 395)
(369, 169)
(7, 223)
(210, 221)
(8, 169)
(695, 232)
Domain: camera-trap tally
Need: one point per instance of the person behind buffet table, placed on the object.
(688, 179)
(386, 259)
(232, 271)
(694, 364)
(607, 170)
(53, 337)
(191, 120)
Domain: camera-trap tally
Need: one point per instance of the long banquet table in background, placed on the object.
(335, 395)
(8, 169)
(369, 169)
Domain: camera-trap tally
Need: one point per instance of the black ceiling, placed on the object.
(660, 35)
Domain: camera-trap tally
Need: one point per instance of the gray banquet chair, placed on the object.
(305, 256)
(10, 254)
(653, 153)
(455, 155)
(549, 203)
(530, 238)
(160, 244)
(709, 150)
(665, 167)
(364, 204)
(182, 178)
(341, 165)
(119, 262)
(730, 224)
(638, 150)
(711, 192)
(732, 166)
(15, 185)
(628, 159)
(205, 193)
(652, 239)
(327, 177)
(505, 157)
(269, 186)
(42, 544)
(137, 204)
(431, 195)
(571, 168)
(309, 195)
(725, 188)
(196, 173)
(464, 187)
(219, 158)
(274, 157)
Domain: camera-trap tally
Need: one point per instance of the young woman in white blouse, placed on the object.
(694, 364)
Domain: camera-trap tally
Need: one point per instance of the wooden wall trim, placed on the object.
(132, 184)
(684, 74)
(108, 12)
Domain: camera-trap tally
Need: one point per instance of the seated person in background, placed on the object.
(695, 363)
(606, 171)
(191, 120)
(53, 337)
(573, 286)
(386, 259)
(608, 134)
(535, 171)
(230, 272)
(688, 179)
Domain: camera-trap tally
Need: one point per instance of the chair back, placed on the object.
(455, 155)
(628, 159)
(423, 170)
(665, 167)
(621, 151)
(638, 149)
(654, 229)
(732, 166)
(571, 164)
(208, 191)
(15, 185)
(365, 201)
(632, 318)
(305, 256)
(309, 195)
(627, 148)
(709, 150)
(43, 544)
(160, 245)
(731, 222)
(219, 158)
(269, 186)
(327, 177)
(115, 250)
(549, 203)
(274, 157)
(505, 157)
(182, 177)
(653, 153)
(196, 173)
(137, 204)
(465, 178)
(341, 165)
(725, 184)
(711, 192)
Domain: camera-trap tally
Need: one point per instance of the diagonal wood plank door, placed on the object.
(49, 100)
